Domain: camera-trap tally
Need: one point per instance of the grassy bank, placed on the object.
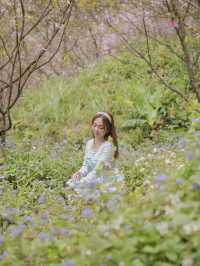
(155, 222)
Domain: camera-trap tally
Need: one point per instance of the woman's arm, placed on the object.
(84, 169)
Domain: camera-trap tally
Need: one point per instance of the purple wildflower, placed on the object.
(41, 199)
(60, 231)
(179, 181)
(52, 238)
(30, 219)
(18, 230)
(46, 237)
(45, 217)
(4, 255)
(1, 240)
(87, 213)
(162, 149)
(63, 231)
(68, 263)
(197, 133)
(9, 212)
(182, 143)
(43, 236)
(189, 156)
(160, 178)
(196, 120)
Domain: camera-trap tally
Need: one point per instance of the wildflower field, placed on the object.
(153, 221)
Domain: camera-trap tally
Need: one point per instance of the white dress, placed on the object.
(98, 168)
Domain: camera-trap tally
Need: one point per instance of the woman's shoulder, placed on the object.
(108, 145)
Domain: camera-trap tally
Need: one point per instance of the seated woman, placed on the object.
(100, 154)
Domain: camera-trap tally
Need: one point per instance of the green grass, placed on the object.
(155, 223)
(124, 86)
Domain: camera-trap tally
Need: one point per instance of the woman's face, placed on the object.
(98, 128)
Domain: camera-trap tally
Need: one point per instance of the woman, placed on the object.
(100, 154)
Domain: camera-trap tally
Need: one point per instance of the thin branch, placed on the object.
(147, 41)
(34, 65)
(15, 56)
(94, 41)
(4, 130)
(35, 61)
(181, 33)
(169, 47)
(5, 48)
(4, 82)
(189, 4)
(23, 19)
(139, 54)
(43, 15)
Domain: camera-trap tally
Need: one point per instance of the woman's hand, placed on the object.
(76, 176)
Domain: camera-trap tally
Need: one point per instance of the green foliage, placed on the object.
(125, 87)
(43, 163)
(156, 220)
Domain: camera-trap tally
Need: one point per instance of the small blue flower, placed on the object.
(179, 181)
(196, 120)
(1, 240)
(30, 219)
(60, 231)
(52, 238)
(163, 149)
(189, 156)
(4, 255)
(197, 133)
(182, 143)
(160, 178)
(43, 236)
(87, 213)
(68, 263)
(46, 237)
(45, 217)
(10, 212)
(18, 230)
(41, 199)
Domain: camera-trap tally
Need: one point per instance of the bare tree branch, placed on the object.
(43, 15)
(146, 60)
(152, 37)
(18, 70)
(181, 33)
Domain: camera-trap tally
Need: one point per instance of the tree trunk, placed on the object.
(2, 139)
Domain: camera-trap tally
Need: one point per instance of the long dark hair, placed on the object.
(110, 129)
